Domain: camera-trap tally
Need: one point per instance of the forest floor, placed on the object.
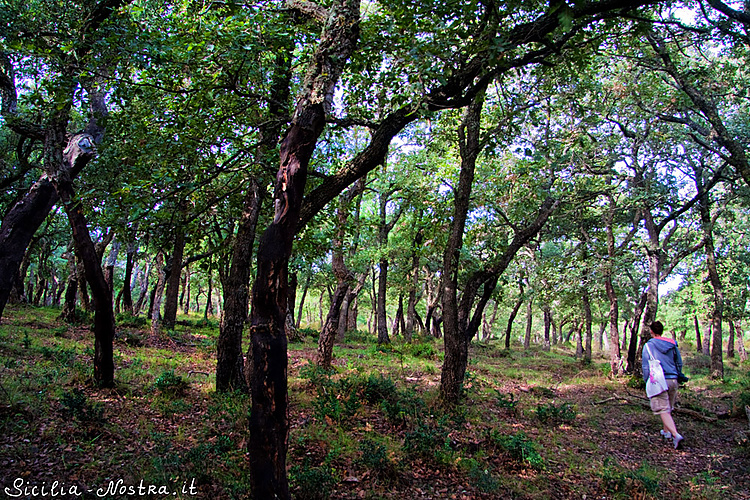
(534, 425)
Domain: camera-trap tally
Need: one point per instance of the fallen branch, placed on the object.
(639, 400)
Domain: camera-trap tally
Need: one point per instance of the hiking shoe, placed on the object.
(665, 435)
(676, 440)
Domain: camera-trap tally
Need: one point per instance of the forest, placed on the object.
(370, 248)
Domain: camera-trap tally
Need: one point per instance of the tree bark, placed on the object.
(547, 324)
(698, 340)
(529, 319)
(230, 363)
(174, 274)
(740, 341)
(158, 292)
(127, 296)
(104, 316)
(267, 356)
(456, 345)
(514, 313)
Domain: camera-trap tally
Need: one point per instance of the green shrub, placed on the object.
(507, 401)
(427, 442)
(563, 413)
(520, 447)
(309, 332)
(63, 356)
(170, 383)
(130, 321)
(481, 476)
(397, 405)
(636, 382)
(312, 483)
(377, 388)
(424, 350)
(76, 404)
(616, 479)
(316, 374)
(334, 404)
(375, 458)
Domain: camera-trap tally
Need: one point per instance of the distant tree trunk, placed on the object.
(174, 274)
(381, 311)
(230, 363)
(579, 339)
(698, 341)
(209, 309)
(633, 346)
(587, 325)
(740, 341)
(330, 328)
(547, 323)
(302, 299)
(411, 303)
(104, 316)
(351, 316)
(83, 288)
(335, 325)
(513, 314)
(68, 313)
(143, 289)
(615, 355)
(706, 349)
(109, 274)
(399, 319)
(730, 341)
(127, 296)
(184, 279)
(529, 319)
(600, 336)
(158, 291)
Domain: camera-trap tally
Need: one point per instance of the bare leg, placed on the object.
(668, 422)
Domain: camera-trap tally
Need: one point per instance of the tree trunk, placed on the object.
(706, 348)
(143, 287)
(456, 345)
(266, 369)
(104, 316)
(209, 309)
(547, 324)
(382, 319)
(158, 292)
(174, 275)
(587, 320)
(633, 346)
(127, 296)
(513, 314)
(302, 299)
(230, 363)
(615, 361)
(330, 328)
(529, 319)
(110, 264)
(411, 303)
(18, 228)
(184, 290)
(740, 341)
(698, 341)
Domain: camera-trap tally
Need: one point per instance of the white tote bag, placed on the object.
(656, 383)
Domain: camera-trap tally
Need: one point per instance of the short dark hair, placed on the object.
(657, 328)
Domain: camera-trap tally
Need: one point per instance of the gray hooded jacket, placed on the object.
(666, 351)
